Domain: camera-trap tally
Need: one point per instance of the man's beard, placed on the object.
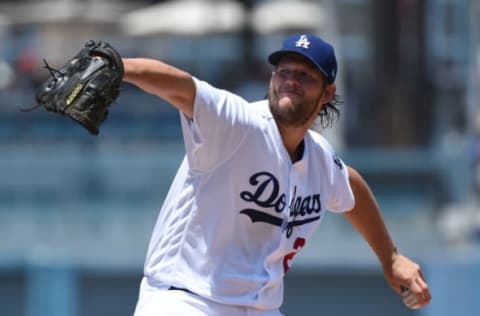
(294, 115)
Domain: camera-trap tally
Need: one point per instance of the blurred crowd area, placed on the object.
(403, 63)
(408, 75)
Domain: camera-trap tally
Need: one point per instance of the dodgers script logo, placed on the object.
(265, 193)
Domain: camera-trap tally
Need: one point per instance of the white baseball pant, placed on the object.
(155, 301)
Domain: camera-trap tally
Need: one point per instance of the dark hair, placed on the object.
(330, 112)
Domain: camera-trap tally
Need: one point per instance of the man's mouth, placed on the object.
(290, 93)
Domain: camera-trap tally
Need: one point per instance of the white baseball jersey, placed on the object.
(239, 209)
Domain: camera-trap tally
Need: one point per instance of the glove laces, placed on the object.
(55, 73)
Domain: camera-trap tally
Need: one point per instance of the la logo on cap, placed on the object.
(303, 42)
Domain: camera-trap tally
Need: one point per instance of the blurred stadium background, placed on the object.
(76, 211)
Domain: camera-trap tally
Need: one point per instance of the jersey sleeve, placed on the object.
(341, 198)
(220, 122)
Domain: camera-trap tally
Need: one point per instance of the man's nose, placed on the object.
(292, 78)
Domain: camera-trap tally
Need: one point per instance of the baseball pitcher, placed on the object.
(254, 185)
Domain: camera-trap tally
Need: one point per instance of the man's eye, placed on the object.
(297, 75)
(305, 77)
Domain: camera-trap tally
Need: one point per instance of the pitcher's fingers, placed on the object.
(424, 289)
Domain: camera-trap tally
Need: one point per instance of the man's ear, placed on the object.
(328, 93)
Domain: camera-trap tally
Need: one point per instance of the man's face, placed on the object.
(295, 91)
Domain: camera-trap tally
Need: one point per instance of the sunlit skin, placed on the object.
(297, 91)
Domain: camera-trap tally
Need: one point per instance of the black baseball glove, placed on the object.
(85, 87)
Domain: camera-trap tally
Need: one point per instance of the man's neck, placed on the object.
(293, 141)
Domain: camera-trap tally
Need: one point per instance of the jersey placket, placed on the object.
(294, 182)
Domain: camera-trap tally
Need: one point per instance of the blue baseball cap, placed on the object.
(319, 52)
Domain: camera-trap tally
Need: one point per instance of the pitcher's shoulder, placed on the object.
(320, 141)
